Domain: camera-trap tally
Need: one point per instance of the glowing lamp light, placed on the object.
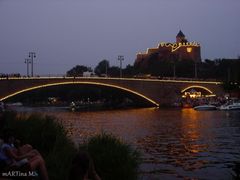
(192, 95)
(189, 49)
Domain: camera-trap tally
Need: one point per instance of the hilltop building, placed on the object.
(180, 50)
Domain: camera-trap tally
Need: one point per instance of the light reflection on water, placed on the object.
(175, 144)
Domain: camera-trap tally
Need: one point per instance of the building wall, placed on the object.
(180, 50)
(194, 55)
(166, 53)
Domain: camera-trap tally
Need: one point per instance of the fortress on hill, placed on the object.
(180, 50)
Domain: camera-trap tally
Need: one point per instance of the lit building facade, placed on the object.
(180, 50)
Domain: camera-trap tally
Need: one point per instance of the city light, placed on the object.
(189, 49)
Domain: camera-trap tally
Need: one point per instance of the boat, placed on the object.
(75, 106)
(230, 106)
(205, 107)
(80, 105)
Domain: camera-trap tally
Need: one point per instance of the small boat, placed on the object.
(79, 105)
(205, 107)
(232, 106)
(75, 106)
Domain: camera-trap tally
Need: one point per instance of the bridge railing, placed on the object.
(170, 80)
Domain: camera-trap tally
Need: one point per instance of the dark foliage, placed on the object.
(113, 158)
(78, 71)
(102, 67)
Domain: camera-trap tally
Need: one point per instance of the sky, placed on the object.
(66, 33)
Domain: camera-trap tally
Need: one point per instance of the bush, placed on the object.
(113, 159)
(45, 135)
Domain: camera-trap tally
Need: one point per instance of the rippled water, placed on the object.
(175, 144)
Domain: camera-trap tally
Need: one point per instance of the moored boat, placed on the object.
(229, 107)
(205, 107)
(79, 105)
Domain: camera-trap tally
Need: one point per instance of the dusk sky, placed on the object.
(64, 33)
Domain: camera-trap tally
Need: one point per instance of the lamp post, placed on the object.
(27, 61)
(121, 58)
(31, 56)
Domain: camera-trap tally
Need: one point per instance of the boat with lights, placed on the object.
(230, 106)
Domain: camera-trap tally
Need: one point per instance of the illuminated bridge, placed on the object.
(157, 92)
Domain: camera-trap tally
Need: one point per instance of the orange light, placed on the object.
(189, 49)
(176, 46)
(192, 95)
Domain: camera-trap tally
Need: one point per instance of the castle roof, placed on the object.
(180, 34)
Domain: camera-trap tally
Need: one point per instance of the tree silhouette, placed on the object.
(102, 67)
(78, 70)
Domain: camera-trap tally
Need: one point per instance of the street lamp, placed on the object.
(32, 55)
(121, 58)
(27, 61)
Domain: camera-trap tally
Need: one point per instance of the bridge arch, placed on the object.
(85, 82)
(208, 92)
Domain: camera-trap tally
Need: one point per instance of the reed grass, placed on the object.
(113, 158)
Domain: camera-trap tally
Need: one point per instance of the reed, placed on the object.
(113, 158)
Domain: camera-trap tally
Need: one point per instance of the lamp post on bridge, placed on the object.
(121, 58)
(27, 61)
(32, 55)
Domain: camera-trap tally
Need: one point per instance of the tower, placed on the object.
(180, 38)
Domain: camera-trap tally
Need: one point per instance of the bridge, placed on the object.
(155, 91)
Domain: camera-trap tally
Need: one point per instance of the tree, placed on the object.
(102, 67)
(114, 71)
(78, 70)
(185, 68)
(129, 71)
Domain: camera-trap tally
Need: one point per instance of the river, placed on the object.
(175, 143)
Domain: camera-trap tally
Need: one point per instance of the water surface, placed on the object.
(175, 143)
